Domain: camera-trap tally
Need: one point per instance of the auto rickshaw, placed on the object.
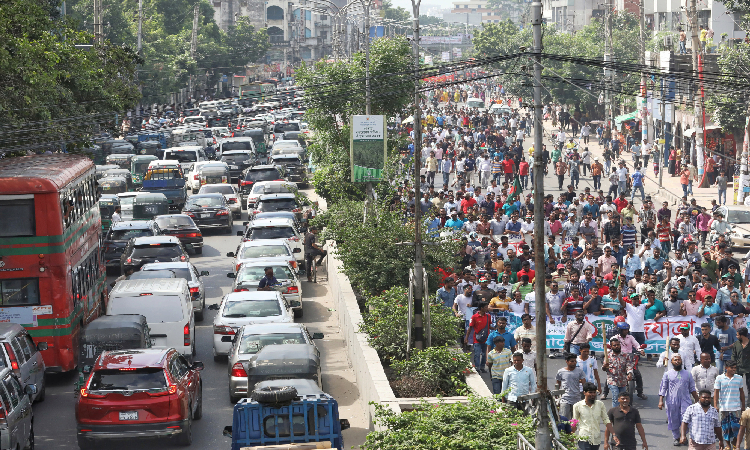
(152, 148)
(259, 139)
(102, 170)
(116, 332)
(146, 206)
(214, 173)
(107, 205)
(120, 159)
(112, 185)
(139, 166)
(123, 173)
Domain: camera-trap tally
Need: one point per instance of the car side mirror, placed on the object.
(230, 255)
(227, 431)
(227, 339)
(296, 250)
(42, 346)
(344, 424)
(231, 275)
(197, 365)
(240, 233)
(204, 273)
(318, 336)
(30, 389)
(213, 307)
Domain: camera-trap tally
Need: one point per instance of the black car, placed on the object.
(183, 228)
(264, 172)
(144, 250)
(238, 159)
(278, 202)
(209, 211)
(295, 170)
(120, 233)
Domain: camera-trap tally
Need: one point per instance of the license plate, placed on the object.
(128, 415)
(205, 216)
(234, 167)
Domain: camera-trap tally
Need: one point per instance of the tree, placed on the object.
(335, 92)
(44, 78)
(726, 108)
(387, 11)
(245, 44)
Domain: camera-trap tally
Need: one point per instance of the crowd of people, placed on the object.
(610, 253)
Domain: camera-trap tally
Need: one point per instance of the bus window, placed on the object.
(19, 291)
(23, 223)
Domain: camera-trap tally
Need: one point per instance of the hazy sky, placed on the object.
(406, 4)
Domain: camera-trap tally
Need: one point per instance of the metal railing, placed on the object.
(524, 444)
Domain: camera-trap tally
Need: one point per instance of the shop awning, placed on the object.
(625, 118)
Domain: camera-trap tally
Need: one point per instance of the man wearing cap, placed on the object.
(619, 370)
(636, 312)
(689, 343)
(484, 294)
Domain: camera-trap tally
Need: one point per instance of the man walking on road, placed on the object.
(741, 355)
(619, 370)
(677, 385)
(729, 396)
(518, 380)
(625, 420)
(702, 420)
(591, 414)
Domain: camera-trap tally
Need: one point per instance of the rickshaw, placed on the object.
(139, 166)
(146, 206)
(214, 173)
(102, 170)
(152, 148)
(259, 139)
(116, 332)
(120, 159)
(107, 205)
(122, 173)
(112, 185)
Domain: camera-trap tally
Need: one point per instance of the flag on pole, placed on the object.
(515, 190)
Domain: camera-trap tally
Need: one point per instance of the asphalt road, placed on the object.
(54, 421)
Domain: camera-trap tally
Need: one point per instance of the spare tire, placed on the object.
(274, 394)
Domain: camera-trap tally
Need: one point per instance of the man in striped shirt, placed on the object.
(497, 168)
(629, 232)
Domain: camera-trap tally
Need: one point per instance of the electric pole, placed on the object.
(194, 36)
(369, 193)
(644, 88)
(543, 433)
(140, 26)
(608, 70)
(660, 152)
(98, 35)
(693, 17)
(418, 270)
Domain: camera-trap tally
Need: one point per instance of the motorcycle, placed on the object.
(720, 238)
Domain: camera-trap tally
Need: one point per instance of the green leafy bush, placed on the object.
(442, 368)
(385, 324)
(482, 424)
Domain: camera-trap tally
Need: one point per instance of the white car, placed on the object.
(194, 176)
(269, 187)
(230, 194)
(738, 218)
(243, 308)
(277, 228)
(250, 273)
(126, 204)
(266, 249)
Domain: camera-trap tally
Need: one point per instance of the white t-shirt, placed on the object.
(518, 308)
(622, 174)
(460, 164)
(531, 300)
(464, 305)
(636, 317)
(527, 227)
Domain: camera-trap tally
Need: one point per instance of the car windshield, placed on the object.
(272, 188)
(284, 127)
(141, 167)
(147, 275)
(225, 189)
(237, 159)
(284, 232)
(179, 272)
(182, 157)
(128, 233)
(127, 201)
(737, 216)
(204, 202)
(157, 250)
(175, 222)
(252, 308)
(253, 274)
(237, 145)
(265, 251)
(286, 150)
(277, 204)
(252, 343)
(262, 175)
(141, 379)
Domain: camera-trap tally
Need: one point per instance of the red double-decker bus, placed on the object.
(52, 280)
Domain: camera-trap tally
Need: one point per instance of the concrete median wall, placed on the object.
(371, 379)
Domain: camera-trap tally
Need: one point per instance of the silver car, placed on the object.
(245, 307)
(17, 429)
(188, 272)
(267, 249)
(250, 273)
(230, 194)
(285, 339)
(19, 352)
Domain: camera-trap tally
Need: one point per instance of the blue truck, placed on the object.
(286, 412)
(167, 181)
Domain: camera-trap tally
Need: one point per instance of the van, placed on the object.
(17, 429)
(186, 156)
(167, 305)
(477, 103)
(19, 352)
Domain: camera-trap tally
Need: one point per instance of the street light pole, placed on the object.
(418, 270)
(543, 433)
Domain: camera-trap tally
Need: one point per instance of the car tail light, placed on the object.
(224, 179)
(129, 260)
(195, 290)
(231, 200)
(12, 356)
(222, 213)
(223, 330)
(189, 214)
(294, 264)
(3, 415)
(296, 210)
(85, 393)
(292, 290)
(183, 258)
(246, 183)
(255, 211)
(196, 177)
(171, 387)
(295, 239)
(186, 335)
(238, 371)
(241, 290)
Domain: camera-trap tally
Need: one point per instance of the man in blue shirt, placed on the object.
(591, 207)
(269, 281)
(656, 262)
(575, 247)
(454, 222)
(447, 294)
(637, 178)
(500, 330)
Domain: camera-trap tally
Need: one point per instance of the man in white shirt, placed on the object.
(636, 317)
(116, 217)
(622, 177)
(689, 343)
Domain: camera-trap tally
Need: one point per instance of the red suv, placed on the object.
(143, 393)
